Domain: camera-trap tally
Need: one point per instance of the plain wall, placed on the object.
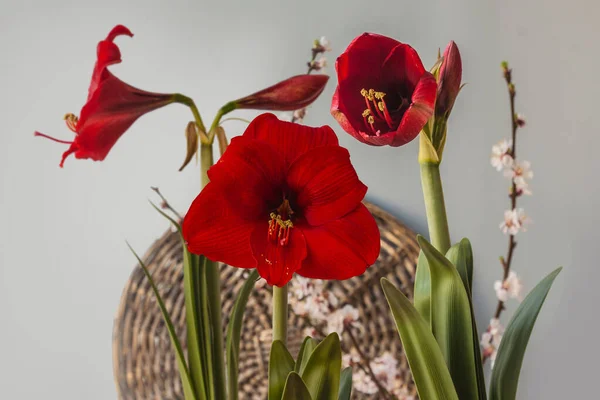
(62, 231)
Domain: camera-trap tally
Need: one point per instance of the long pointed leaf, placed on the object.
(422, 288)
(295, 389)
(322, 372)
(198, 365)
(188, 389)
(461, 256)
(425, 359)
(345, 384)
(308, 346)
(234, 330)
(281, 364)
(451, 321)
(505, 375)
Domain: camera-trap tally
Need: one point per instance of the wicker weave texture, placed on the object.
(144, 363)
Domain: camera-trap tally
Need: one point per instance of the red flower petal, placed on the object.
(112, 109)
(251, 174)
(419, 112)
(291, 94)
(343, 120)
(403, 65)
(276, 263)
(221, 234)
(107, 53)
(326, 184)
(364, 56)
(343, 248)
(291, 140)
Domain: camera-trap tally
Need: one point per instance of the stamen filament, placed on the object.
(51, 138)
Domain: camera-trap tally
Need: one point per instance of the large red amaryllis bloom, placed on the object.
(384, 95)
(284, 198)
(112, 106)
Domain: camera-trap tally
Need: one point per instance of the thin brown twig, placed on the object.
(165, 204)
(506, 262)
(362, 355)
(311, 68)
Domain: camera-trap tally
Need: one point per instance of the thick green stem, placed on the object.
(435, 207)
(280, 313)
(213, 281)
(206, 161)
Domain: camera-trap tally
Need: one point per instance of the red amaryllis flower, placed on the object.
(112, 106)
(284, 198)
(384, 95)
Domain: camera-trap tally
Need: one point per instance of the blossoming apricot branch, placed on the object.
(504, 158)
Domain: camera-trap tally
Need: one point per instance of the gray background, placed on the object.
(63, 256)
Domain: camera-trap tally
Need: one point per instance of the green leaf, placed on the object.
(295, 389)
(184, 373)
(234, 331)
(425, 359)
(322, 372)
(461, 255)
(505, 375)
(198, 365)
(281, 364)
(422, 289)
(451, 321)
(345, 384)
(308, 346)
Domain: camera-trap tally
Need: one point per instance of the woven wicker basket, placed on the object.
(144, 364)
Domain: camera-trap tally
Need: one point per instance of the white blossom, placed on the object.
(490, 340)
(515, 221)
(501, 157)
(512, 287)
(309, 298)
(299, 115)
(520, 173)
(350, 359)
(342, 318)
(311, 332)
(319, 64)
(324, 43)
(520, 120)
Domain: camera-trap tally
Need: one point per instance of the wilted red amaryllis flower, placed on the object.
(112, 106)
(291, 94)
(284, 198)
(384, 95)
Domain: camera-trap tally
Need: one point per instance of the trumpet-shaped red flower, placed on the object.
(384, 95)
(284, 198)
(112, 106)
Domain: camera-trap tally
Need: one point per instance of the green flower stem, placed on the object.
(213, 288)
(435, 208)
(226, 109)
(179, 98)
(280, 313)
(206, 161)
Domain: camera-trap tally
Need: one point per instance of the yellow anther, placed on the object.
(380, 105)
(70, 117)
(366, 113)
(284, 224)
(379, 95)
(371, 120)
